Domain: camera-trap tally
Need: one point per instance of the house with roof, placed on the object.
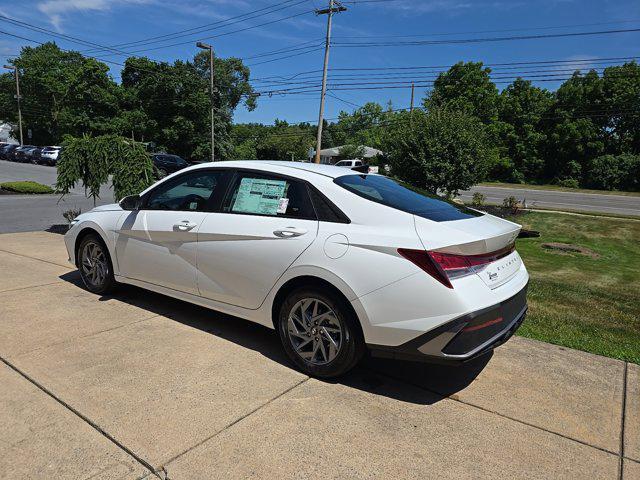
(331, 155)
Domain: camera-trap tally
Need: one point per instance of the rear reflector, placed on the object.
(445, 266)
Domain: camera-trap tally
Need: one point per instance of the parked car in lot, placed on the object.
(33, 155)
(21, 154)
(337, 262)
(165, 164)
(349, 163)
(49, 155)
(357, 165)
(6, 151)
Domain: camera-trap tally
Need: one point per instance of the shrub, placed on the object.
(478, 199)
(568, 183)
(26, 187)
(614, 172)
(439, 151)
(71, 214)
(512, 204)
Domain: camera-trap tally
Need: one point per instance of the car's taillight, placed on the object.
(446, 266)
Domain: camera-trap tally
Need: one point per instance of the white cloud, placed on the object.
(56, 9)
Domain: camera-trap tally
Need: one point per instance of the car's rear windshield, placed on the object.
(407, 198)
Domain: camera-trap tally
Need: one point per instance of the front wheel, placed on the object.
(319, 333)
(95, 265)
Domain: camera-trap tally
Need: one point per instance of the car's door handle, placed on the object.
(185, 226)
(289, 232)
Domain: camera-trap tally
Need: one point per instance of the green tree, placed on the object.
(521, 138)
(175, 101)
(63, 93)
(441, 150)
(467, 88)
(351, 152)
(621, 91)
(284, 142)
(575, 127)
(361, 127)
(91, 161)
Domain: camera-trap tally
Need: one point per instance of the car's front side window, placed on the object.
(260, 194)
(189, 192)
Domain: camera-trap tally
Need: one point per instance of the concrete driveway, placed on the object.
(138, 385)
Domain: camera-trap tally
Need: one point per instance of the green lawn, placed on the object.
(582, 302)
(558, 188)
(26, 186)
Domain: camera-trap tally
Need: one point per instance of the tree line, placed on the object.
(67, 94)
(586, 133)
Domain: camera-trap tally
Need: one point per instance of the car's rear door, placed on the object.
(266, 221)
(157, 244)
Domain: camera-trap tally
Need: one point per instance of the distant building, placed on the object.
(330, 156)
(5, 133)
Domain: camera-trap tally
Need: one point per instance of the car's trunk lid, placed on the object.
(475, 237)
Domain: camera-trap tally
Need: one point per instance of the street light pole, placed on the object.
(15, 70)
(329, 11)
(204, 46)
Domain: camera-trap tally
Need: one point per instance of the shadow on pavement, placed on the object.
(412, 382)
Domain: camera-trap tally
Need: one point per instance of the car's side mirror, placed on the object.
(131, 202)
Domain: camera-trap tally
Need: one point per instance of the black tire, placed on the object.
(94, 265)
(350, 347)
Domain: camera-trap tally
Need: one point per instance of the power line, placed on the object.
(68, 38)
(188, 42)
(477, 32)
(408, 79)
(422, 67)
(413, 74)
(480, 40)
(205, 27)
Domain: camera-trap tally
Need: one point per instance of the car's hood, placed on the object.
(111, 207)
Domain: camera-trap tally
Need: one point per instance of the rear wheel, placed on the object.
(95, 265)
(319, 333)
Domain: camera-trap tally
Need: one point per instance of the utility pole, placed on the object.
(329, 12)
(412, 92)
(15, 71)
(204, 46)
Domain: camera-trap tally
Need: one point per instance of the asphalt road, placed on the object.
(574, 201)
(25, 213)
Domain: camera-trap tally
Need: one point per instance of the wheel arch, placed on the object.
(310, 280)
(88, 230)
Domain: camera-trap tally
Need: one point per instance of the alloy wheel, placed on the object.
(95, 266)
(315, 332)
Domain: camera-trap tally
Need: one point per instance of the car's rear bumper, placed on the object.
(464, 338)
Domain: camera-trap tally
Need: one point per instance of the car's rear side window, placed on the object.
(404, 197)
(254, 193)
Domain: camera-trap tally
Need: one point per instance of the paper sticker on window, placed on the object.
(282, 205)
(259, 195)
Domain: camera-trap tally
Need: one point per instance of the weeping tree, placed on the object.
(93, 161)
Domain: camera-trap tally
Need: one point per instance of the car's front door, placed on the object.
(157, 244)
(265, 223)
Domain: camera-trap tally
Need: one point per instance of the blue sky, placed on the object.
(110, 22)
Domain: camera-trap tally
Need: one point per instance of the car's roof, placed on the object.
(281, 167)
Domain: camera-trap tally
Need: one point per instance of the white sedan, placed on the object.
(337, 262)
